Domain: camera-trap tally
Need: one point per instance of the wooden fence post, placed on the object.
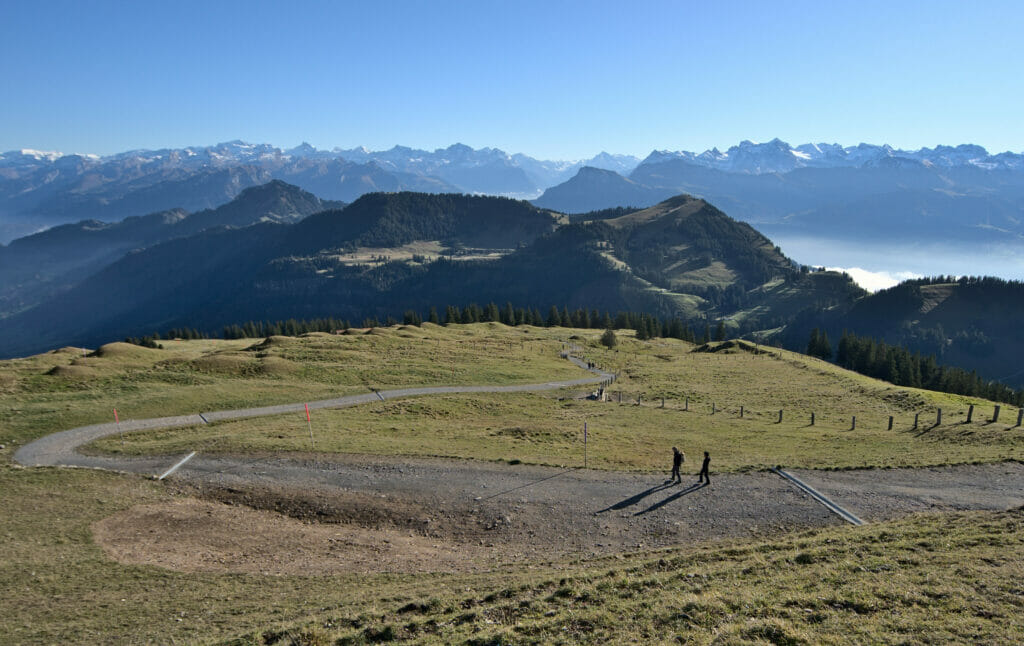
(890, 422)
(916, 416)
(970, 413)
(995, 415)
(780, 416)
(938, 417)
(1020, 416)
(713, 408)
(663, 402)
(741, 412)
(687, 407)
(853, 423)
(620, 396)
(812, 418)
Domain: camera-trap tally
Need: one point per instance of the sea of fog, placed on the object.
(877, 266)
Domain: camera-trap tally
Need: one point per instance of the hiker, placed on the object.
(678, 457)
(703, 477)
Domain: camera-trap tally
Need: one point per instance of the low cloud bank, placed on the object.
(874, 281)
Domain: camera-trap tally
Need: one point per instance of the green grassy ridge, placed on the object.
(63, 389)
(546, 428)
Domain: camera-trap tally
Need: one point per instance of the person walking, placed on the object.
(678, 457)
(704, 477)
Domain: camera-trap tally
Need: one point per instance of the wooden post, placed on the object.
(890, 422)
(812, 418)
(853, 423)
(995, 414)
(916, 416)
(780, 416)
(1020, 417)
(663, 402)
(970, 413)
(741, 412)
(687, 408)
(638, 396)
(712, 408)
(938, 417)
(620, 396)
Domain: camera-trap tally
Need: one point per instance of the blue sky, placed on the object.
(557, 80)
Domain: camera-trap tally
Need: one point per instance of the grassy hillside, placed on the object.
(949, 578)
(547, 429)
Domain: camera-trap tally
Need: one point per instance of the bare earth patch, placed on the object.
(190, 535)
(363, 514)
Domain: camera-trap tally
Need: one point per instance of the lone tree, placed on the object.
(608, 339)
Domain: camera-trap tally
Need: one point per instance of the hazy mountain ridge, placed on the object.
(40, 189)
(35, 267)
(944, 196)
(777, 156)
(268, 271)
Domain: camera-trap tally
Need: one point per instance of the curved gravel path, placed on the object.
(61, 449)
(532, 511)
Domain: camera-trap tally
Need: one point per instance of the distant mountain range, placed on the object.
(41, 189)
(765, 184)
(961, 196)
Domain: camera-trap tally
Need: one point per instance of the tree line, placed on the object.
(899, 366)
(646, 326)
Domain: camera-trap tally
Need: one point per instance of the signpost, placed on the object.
(584, 445)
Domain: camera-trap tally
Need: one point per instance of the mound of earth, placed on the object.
(191, 535)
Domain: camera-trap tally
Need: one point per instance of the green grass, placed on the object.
(64, 389)
(546, 428)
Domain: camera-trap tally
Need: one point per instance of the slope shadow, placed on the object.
(672, 498)
(632, 500)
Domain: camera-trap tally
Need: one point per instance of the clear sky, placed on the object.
(556, 80)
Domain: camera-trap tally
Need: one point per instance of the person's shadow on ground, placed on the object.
(632, 500)
(673, 497)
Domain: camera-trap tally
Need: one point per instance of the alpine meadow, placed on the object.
(552, 323)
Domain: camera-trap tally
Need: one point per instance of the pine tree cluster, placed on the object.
(897, 365)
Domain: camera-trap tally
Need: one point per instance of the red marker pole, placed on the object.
(310, 424)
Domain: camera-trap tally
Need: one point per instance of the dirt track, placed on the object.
(402, 514)
(360, 514)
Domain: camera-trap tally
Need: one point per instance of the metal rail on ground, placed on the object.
(178, 465)
(813, 493)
